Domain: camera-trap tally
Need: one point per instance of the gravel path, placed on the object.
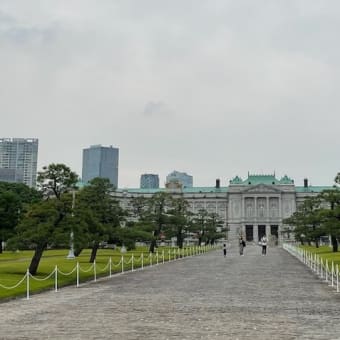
(203, 297)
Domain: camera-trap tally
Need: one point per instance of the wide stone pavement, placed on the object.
(202, 297)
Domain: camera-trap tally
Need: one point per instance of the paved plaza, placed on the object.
(203, 297)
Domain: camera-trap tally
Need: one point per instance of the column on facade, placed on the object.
(255, 207)
(254, 233)
(267, 208)
(268, 230)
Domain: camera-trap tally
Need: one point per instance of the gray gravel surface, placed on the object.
(202, 297)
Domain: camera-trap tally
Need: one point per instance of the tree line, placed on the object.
(318, 216)
(45, 217)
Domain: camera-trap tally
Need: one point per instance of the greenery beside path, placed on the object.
(325, 252)
(13, 267)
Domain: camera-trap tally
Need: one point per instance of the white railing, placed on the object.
(140, 263)
(329, 272)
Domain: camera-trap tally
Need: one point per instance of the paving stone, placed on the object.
(202, 297)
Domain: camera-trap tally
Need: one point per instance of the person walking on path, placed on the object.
(264, 245)
(224, 249)
(242, 244)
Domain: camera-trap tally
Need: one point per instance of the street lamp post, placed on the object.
(71, 251)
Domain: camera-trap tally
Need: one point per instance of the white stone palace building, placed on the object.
(251, 207)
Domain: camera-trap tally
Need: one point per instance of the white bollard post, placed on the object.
(132, 257)
(27, 284)
(142, 261)
(332, 274)
(122, 260)
(326, 269)
(321, 268)
(110, 267)
(157, 257)
(77, 274)
(163, 256)
(56, 278)
(94, 271)
(169, 255)
(337, 278)
(150, 259)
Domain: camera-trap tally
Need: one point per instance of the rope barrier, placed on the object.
(16, 285)
(177, 254)
(44, 279)
(327, 272)
(67, 274)
(86, 270)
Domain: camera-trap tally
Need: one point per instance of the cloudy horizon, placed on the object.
(214, 89)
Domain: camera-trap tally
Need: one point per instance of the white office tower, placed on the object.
(18, 160)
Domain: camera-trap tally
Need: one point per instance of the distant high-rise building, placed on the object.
(20, 157)
(149, 181)
(181, 177)
(100, 161)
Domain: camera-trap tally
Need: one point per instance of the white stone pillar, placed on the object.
(255, 206)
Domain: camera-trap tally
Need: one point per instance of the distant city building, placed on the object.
(11, 175)
(180, 177)
(100, 161)
(149, 181)
(18, 160)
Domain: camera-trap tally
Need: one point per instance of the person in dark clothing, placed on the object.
(224, 249)
(242, 244)
(264, 245)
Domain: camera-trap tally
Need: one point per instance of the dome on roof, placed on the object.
(236, 180)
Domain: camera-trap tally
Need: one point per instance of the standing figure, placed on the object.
(264, 245)
(224, 249)
(242, 244)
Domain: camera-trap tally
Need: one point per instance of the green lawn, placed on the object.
(325, 253)
(13, 267)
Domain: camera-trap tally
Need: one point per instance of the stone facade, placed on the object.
(253, 207)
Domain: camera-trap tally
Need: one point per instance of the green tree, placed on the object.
(157, 215)
(103, 212)
(208, 227)
(337, 178)
(307, 221)
(47, 222)
(199, 225)
(55, 179)
(178, 220)
(14, 200)
(214, 228)
(331, 215)
(44, 224)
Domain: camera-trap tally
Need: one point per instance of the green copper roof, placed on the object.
(313, 188)
(194, 190)
(261, 179)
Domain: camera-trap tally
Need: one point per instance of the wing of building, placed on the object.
(252, 207)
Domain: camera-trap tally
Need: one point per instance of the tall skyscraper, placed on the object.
(149, 181)
(100, 161)
(181, 177)
(20, 156)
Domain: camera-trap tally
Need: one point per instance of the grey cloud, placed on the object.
(246, 84)
(156, 109)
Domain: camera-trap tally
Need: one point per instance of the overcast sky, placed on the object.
(212, 88)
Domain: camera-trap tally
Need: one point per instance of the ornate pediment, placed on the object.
(262, 188)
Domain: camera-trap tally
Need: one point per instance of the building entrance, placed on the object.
(261, 231)
(274, 232)
(249, 233)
